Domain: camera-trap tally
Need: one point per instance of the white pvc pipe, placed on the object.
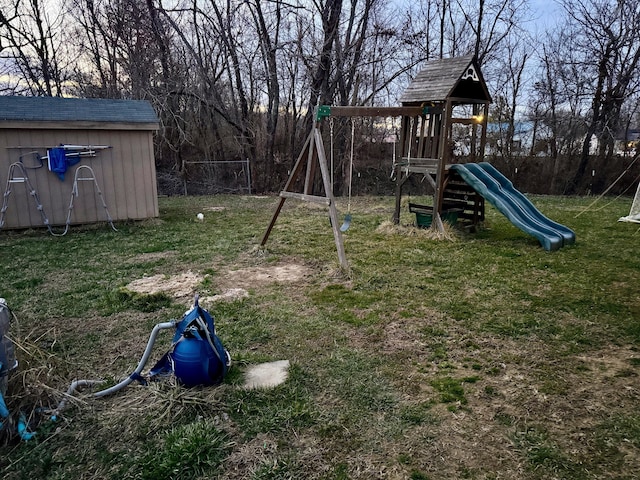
(145, 357)
(72, 389)
(141, 364)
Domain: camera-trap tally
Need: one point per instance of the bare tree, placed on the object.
(606, 36)
(97, 44)
(509, 74)
(490, 23)
(238, 79)
(269, 37)
(30, 34)
(557, 101)
(321, 92)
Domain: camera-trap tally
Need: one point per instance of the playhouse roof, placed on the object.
(25, 110)
(458, 78)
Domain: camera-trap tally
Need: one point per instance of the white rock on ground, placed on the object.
(267, 375)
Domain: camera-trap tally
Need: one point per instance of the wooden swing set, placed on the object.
(425, 145)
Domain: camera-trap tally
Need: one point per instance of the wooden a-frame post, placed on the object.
(312, 155)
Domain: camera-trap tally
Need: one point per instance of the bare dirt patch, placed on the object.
(232, 283)
(178, 286)
(259, 276)
(610, 362)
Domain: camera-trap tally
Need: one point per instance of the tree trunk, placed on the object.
(320, 92)
(273, 86)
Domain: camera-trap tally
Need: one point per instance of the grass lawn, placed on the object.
(480, 356)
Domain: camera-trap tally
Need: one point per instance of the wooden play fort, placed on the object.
(452, 94)
(448, 96)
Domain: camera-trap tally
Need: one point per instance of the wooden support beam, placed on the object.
(405, 151)
(467, 101)
(419, 162)
(375, 111)
(421, 138)
(265, 237)
(483, 133)
(297, 167)
(333, 213)
(311, 168)
(306, 198)
(466, 121)
(443, 155)
(339, 111)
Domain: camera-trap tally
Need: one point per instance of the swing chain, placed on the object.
(353, 130)
(395, 141)
(331, 149)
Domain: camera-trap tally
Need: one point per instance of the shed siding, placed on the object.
(125, 174)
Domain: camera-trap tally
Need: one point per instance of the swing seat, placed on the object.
(346, 224)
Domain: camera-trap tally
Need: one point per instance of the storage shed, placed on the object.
(103, 148)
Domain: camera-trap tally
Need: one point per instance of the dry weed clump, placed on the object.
(31, 389)
(158, 404)
(449, 234)
(39, 391)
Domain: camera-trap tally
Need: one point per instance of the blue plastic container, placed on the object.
(195, 363)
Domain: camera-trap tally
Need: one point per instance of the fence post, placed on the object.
(248, 176)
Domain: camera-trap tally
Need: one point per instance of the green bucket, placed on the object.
(424, 220)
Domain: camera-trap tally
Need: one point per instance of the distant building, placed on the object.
(521, 143)
(628, 142)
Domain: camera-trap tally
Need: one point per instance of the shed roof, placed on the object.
(458, 77)
(15, 110)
